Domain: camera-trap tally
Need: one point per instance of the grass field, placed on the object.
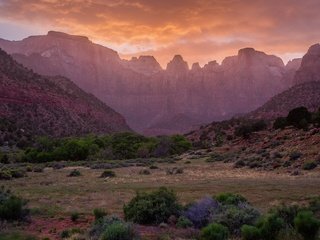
(53, 193)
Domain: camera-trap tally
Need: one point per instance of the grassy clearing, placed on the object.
(52, 192)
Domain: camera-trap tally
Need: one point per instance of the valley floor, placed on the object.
(52, 195)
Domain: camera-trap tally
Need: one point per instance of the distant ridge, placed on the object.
(36, 105)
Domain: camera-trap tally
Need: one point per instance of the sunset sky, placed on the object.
(200, 30)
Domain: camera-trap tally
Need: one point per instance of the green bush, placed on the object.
(298, 117)
(11, 206)
(307, 225)
(309, 165)
(250, 233)
(16, 236)
(74, 173)
(152, 208)
(270, 226)
(119, 231)
(230, 198)
(99, 213)
(108, 174)
(214, 231)
(280, 123)
(184, 222)
(75, 216)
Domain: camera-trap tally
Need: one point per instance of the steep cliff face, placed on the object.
(51, 105)
(310, 66)
(148, 96)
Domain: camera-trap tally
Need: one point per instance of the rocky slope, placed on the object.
(306, 94)
(147, 96)
(32, 104)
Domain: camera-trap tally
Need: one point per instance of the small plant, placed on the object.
(99, 213)
(214, 231)
(12, 207)
(183, 222)
(75, 216)
(270, 226)
(153, 167)
(250, 233)
(309, 165)
(295, 155)
(65, 234)
(200, 213)
(144, 172)
(230, 198)
(108, 174)
(74, 173)
(118, 231)
(307, 225)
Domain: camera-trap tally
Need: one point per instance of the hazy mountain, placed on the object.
(149, 96)
(39, 105)
(310, 66)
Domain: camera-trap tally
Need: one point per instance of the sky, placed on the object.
(199, 30)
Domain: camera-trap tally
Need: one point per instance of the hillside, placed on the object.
(305, 94)
(32, 104)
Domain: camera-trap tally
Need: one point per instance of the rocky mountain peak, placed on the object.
(177, 65)
(55, 34)
(146, 65)
(196, 67)
(310, 65)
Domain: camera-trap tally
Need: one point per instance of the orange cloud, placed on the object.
(200, 30)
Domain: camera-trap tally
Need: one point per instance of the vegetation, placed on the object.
(152, 208)
(247, 128)
(116, 146)
(214, 231)
(12, 207)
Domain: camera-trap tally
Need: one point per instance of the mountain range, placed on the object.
(32, 104)
(155, 100)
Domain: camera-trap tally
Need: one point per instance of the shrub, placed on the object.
(270, 226)
(152, 208)
(74, 173)
(99, 213)
(5, 174)
(309, 165)
(118, 231)
(108, 174)
(297, 116)
(153, 167)
(4, 159)
(307, 225)
(101, 224)
(280, 123)
(230, 198)
(74, 216)
(235, 216)
(112, 228)
(11, 206)
(144, 172)
(246, 129)
(295, 155)
(200, 213)
(250, 233)
(184, 222)
(214, 231)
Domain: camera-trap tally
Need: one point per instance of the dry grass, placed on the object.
(52, 192)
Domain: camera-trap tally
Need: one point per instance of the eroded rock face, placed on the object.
(149, 97)
(310, 66)
(51, 105)
(146, 65)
